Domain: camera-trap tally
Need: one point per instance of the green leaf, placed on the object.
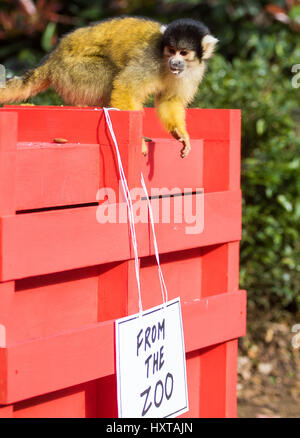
(285, 202)
(260, 126)
(46, 41)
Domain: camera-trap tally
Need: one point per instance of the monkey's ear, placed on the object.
(208, 45)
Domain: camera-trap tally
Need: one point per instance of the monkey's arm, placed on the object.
(171, 112)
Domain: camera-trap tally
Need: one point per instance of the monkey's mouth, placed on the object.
(176, 72)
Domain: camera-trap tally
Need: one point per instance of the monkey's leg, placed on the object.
(126, 95)
(171, 112)
(84, 81)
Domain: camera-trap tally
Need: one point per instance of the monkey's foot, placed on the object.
(184, 139)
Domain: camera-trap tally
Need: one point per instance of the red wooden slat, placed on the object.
(210, 124)
(76, 402)
(163, 166)
(45, 305)
(52, 241)
(77, 125)
(8, 139)
(231, 378)
(222, 223)
(50, 175)
(45, 242)
(48, 364)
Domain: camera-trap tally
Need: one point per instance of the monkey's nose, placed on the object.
(176, 64)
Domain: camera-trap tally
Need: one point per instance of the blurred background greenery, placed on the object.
(252, 70)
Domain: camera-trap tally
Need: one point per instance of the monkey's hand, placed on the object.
(185, 140)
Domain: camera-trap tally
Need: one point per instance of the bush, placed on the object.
(254, 74)
(270, 247)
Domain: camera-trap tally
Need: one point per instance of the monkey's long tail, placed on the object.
(21, 88)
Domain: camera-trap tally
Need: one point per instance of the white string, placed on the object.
(131, 217)
(129, 203)
(160, 274)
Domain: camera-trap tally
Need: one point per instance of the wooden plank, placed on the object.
(52, 241)
(214, 270)
(50, 175)
(213, 381)
(45, 305)
(8, 139)
(76, 402)
(73, 357)
(216, 166)
(113, 290)
(193, 371)
(231, 378)
(235, 150)
(77, 125)
(209, 124)
(6, 411)
(182, 272)
(222, 223)
(163, 166)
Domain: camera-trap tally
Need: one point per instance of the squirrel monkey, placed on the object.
(120, 62)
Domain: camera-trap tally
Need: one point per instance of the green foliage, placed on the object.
(270, 248)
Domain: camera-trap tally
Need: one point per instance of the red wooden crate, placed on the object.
(64, 277)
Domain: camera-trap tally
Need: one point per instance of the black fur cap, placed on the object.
(185, 33)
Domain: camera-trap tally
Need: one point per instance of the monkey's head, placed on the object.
(186, 42)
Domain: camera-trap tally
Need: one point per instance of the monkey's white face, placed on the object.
(178, 60)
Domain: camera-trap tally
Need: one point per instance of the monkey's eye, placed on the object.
(172, 51)
(184, 52)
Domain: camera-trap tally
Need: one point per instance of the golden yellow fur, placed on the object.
(116, 63)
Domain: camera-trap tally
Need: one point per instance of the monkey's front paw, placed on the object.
(184, 139)
(185, 150)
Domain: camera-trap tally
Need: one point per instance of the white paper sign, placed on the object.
(150, 362)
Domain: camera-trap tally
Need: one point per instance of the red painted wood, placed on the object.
(235, 150)
(59, 240)
(233, 266)
(36, 367)
(211, 124)
(216, 169)
(107, 406)
(65, 239)
(6, 411)
(231, 378)
(49, 175)
(213, 381)
(73, 276)
(76, 402)
(77, 125)
(37, 181)
(222, 223)
(214, 270)
(193, 382)
(45, 305)
(164, 168)
(182, 274)
(8, 138)
(112, 290)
